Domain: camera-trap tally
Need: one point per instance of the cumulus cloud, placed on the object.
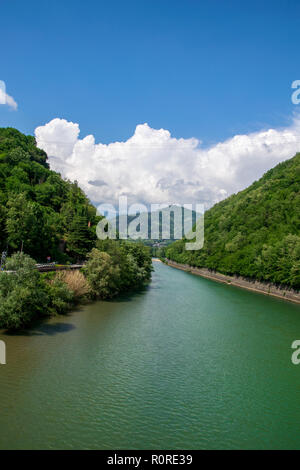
(6, 99)
(154, 167)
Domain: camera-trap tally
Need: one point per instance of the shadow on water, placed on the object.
(40, 328)
(129, 295)
(43, 329)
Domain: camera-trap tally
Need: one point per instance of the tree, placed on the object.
(80, 238)
(102, 274)
(41, 205)
(23, 296)
(27, 226)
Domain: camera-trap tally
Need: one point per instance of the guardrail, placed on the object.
(57, 267)
(42, 268)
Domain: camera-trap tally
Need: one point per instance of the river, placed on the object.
(186, 364)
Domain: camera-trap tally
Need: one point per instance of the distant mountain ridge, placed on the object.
(254, 233)
(160, 221)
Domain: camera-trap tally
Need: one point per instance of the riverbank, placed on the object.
(109, 270)
(239, 281)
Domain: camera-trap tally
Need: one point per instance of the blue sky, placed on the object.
(204, 69)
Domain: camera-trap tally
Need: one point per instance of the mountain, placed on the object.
(40, 212)
(161, 225)
(254, 233)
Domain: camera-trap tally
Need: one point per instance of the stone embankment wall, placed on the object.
(239, 281)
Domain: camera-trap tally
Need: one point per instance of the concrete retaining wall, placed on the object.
(239, 281)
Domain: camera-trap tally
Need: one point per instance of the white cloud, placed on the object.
(153, 167)
(6, 99)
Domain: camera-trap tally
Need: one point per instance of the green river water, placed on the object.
(187, 364)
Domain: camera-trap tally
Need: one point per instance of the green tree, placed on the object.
(41, 205)
(23, 296)
(80, 238)
(102, 274)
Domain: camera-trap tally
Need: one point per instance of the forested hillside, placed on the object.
(43, 215)
(255, 233)
(39, 211)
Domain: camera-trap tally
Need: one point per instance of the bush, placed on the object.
(123, 266)
(102, 274)
(76, 282)
(23, 294)
(61, 297)
(26, 295)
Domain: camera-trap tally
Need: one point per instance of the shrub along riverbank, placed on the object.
(111, 268)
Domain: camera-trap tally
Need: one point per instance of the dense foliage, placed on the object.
(255, 233)
(116, 267)
(43, 215)
(26, 296)
(39, 211)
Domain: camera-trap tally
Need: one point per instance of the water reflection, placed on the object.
(43, 329)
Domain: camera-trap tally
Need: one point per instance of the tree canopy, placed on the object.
(41, 212)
